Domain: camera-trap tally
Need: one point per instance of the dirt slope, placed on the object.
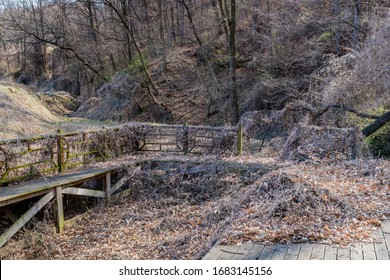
(22, 113)
(25, 113)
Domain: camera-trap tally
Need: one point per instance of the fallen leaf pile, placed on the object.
(178, 210)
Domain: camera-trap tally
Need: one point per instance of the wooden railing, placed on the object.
(187, 139)
(23, 159)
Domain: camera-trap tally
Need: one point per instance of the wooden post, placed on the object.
(107, 186)
(60, 210)
(25, 218)
(84, 139)
(60, 152)
(185, 139)
(239, 139)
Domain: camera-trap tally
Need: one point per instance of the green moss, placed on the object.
(326, 36)
(379, 142)
(135, 66)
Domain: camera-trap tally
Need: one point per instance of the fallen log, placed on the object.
(377, 124)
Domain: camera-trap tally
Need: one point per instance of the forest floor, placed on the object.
(180, 208)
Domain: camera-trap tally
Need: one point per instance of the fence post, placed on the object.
(239, 138)
(60, 152)
(185, 139)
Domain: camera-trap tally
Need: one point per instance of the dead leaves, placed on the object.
(173, 216)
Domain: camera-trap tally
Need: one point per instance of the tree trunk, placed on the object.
(180, 21)
(376, 125)
(189, 15)
(225, 21)
(161, 6)
(356, 24)
(336, 11)
(173, 26)
(233, 63)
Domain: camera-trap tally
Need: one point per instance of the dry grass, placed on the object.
(179, 208)
(25, 114)
(22, 113)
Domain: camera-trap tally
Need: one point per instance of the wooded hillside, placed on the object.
(204, 62)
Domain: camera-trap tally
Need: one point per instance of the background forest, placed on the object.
(309, 80)
(171, 60)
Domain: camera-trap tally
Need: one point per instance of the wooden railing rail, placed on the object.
(23, 159)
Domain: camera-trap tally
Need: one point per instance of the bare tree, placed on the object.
(229, 14)
(189, 16)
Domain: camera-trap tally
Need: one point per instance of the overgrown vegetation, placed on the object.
(179, 208)
(379, 142)
(307, 72)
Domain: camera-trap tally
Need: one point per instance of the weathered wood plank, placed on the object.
(386, 237)
(107, 186)
(357, 252)
(305, 252)
(255, 252)
(280, 252)
(292, 252)
(242, 251)
(119, 184)
(11, 215)
(84, 192)
(330, 253)
(380, 247)
(12, 194)
(25, 218)
(60, 210)
(228, 252)
(381, 251)
(318, 252)
(369, 252)
(122, 194)
(343, 254)
(214, 253)
(386, 227)
(23, 197)
(267, 252)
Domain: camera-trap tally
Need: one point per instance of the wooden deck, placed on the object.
(379, 250)
(12, 194)
(53, 188)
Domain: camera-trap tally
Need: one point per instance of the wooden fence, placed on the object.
(23, 159)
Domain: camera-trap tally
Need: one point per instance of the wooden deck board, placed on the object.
(369, 252)
(386, 237)
(357, 252)
(16, 193)
(228, 252)
(380, 247)
(50, 187)
(330, 253)
(292, 252)
(305, 252)
(386, 227)
(343, 253)
(279, 252)
(267, 252)
(242, 251)
(381, 251)
(214, 253)
(25, 218)
(318, 252)
(254, 252)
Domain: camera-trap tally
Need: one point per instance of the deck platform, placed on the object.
(379, 250)
(53, 188)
